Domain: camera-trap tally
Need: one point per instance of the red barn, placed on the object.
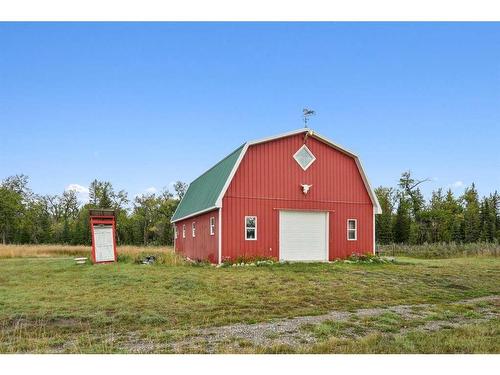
(296, 196)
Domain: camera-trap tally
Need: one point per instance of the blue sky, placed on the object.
(143, 105)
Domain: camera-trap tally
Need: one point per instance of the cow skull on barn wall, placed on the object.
(305, 188)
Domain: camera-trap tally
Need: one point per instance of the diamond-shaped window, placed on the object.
(304, 157)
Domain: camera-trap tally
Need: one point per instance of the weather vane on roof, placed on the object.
(307, 113)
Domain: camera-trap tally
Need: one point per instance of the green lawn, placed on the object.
(53, 305)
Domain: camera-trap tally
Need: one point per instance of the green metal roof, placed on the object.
(203, 192)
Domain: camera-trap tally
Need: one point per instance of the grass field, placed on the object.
(48, 304)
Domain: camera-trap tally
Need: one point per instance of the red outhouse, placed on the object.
(102, 228)
(295, 197)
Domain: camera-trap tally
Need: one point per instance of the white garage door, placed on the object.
(104, 247)
(303, 236)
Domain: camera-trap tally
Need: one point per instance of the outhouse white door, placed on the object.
(104, 247)
(303, 236)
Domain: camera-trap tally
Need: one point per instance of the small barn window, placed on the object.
(193, 229)
(250, 228)
(352, 230)
(175, 231)
(184, 231)
(212, 226)
(304, 157)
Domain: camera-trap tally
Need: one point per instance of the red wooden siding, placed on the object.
(269, 178)
(203, 246)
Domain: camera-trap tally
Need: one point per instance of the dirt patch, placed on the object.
(23, 323)
(458, 286)
(65, 322)
(134, 344)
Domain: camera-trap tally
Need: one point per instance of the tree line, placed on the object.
(408, 219)
(29, 218)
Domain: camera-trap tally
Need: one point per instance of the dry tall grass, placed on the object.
(44, 251)
(441, 250)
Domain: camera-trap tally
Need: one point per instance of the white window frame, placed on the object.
(175, 232)
(212, 225)
(310, 152)
(246, 237)
(183, 230)
(193, 229)
(355, 230)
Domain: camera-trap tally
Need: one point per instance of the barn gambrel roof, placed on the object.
(206, 192)
(202, 194)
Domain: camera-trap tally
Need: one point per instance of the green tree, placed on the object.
(35, 222)
(442, 217)
(11, 207)
(402, 221)
(145, 215)
(495, 202)
(167, 206)
(81, 231)
(488, 219)
(412, 205)
(180, 189)
(410, 191)
(103, 195)
(18, 184)
(384, 221)
(436, 218)
(472, 219)
(100, 194)
(14, 197)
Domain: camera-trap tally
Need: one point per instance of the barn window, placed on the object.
(304, 157)
(184, 231)
(193, 229)
(212, 226)
(352, 230)
(175, 231)
(250, 228)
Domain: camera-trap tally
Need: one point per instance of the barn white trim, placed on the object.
(219, 239)
(374, 243)
(218, 202)
(196, 213)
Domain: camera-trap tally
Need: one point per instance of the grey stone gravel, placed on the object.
(290, 331)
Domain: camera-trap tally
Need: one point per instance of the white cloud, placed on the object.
(81, 191)
(77, 188)
(456, 185)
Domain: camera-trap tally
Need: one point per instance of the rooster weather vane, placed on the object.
(307, 113)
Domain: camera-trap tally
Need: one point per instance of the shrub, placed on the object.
(257, 261)
(367, 258)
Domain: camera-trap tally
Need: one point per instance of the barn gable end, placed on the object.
(370, 191)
